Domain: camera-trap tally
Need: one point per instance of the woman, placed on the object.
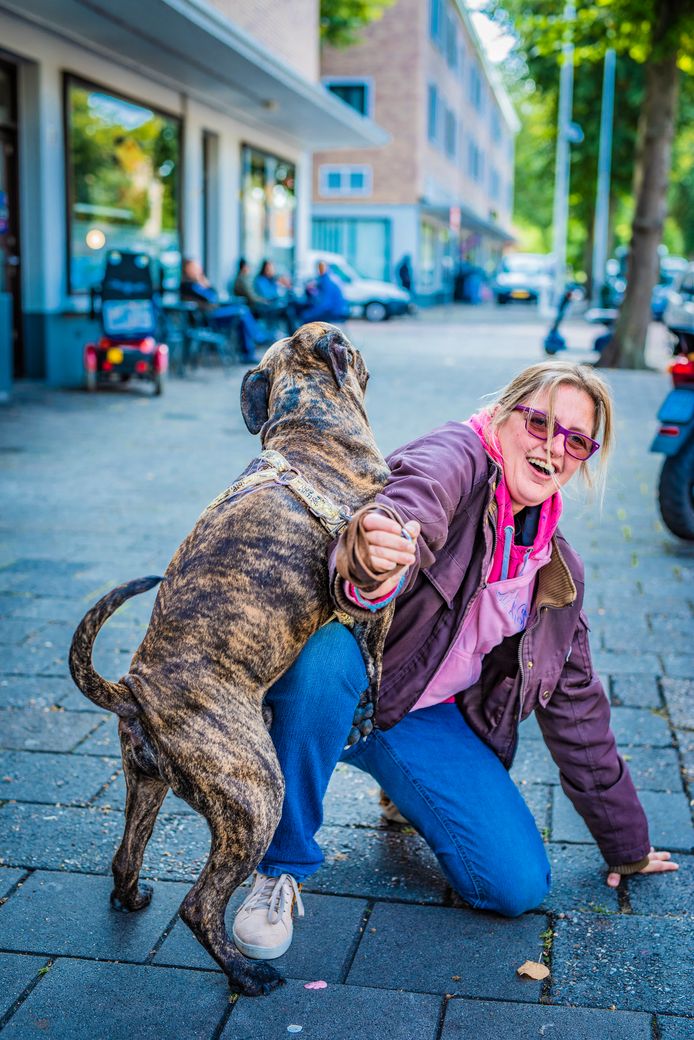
(488, 627)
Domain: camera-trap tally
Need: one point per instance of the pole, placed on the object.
(602, 197)
(561, 174)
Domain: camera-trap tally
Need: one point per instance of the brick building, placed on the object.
(442, 188)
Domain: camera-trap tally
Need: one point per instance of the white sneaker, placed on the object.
(263, 927)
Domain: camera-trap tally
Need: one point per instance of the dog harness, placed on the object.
(276, 470)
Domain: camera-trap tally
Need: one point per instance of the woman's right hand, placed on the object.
(388, 550)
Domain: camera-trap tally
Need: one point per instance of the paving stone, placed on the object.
(671, 893)
(640, 726)
(421, 948)
(537, 798)
(529, 730)
(14, 631)
(335, 1013)
(43, 608)
(54, 838)
(21, 691)
(15, 975)
(623, 960)
(579, 880)
(34, 659)
(34, 776)
(490, 1020)
(43, 729)
(533, 764)
(114, 796)
(619, 633)
(679, 696)
(352, 799)
(87, 1000)
(323, 939)
(675, 1028)
(653, 769)
(8, 879)
(103, 741)
(679, 666)
(620, 663)
(385, 864)
(668, 817)
(635, 691)
(60, 913)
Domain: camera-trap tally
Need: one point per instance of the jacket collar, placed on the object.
(555, 586)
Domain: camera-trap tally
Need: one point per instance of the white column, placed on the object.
(228, 207)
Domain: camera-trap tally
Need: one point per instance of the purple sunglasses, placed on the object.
(577, 445)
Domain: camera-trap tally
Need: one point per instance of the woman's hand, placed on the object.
(658, 863)
(388, 551)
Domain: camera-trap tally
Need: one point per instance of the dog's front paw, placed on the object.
(253, 979)
(128, 903)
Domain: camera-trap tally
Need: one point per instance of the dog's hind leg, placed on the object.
(145, 793)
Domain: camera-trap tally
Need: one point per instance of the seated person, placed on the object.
(196, 288)
(273, 292)
(243, 288)
(326, 301)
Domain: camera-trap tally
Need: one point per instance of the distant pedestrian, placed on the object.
(488, 628)
(326, 300)
(404, 273)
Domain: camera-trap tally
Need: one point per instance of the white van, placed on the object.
(367, 298)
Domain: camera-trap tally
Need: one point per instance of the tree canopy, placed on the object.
(342, 20)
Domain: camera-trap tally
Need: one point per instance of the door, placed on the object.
(10, 282)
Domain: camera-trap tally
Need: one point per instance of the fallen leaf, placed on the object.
(455, 978)
(318, 984)
(533, 970)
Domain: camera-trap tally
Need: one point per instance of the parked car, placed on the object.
(669, 267)
(523, 276)
(679, 312)
(367, 297)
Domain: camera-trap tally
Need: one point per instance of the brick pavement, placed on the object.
(98, 489)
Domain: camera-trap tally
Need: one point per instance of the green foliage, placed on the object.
(342, 20)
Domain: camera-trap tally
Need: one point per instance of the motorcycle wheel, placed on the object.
(676, 493)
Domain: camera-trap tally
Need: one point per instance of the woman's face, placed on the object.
(528, 486)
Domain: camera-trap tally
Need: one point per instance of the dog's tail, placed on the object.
(113, 696)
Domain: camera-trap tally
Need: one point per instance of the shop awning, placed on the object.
(468, 220)
(192, 47)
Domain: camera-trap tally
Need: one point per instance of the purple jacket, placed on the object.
(446, 481)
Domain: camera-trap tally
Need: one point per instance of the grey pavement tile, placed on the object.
(43, 608)
(42, 658)
(491, 1020)
(653, 769)
(533, 764)
(34, 776)
(14, 631)
(36, 691)
(635, 963)
(606, 662)
(619, 633)
(640, 726)
(422, 948)
(537, 798)
(679, 697)
(675, 1028)
(578, 880)
(667, 813)
(87, 1000)
(671, 893)
(335, 1013)
(529, 729)
(103, 741)
(679, 666)
(384, 864)
(54, 838)
(15, 975)
(352, 799)
(323, 939)
(635, 691)
(8, 879)
(43, 729)
(59, 913)
(114, 796)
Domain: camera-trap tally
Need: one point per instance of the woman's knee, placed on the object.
(331, 663)
(519, 891)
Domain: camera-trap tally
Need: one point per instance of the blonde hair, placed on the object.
(549, 376)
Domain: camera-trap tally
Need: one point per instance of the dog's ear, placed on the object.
(255, 396)
(336, 350)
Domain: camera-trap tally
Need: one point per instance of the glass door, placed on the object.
(10, 281)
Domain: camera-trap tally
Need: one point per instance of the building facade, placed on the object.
(441, 190)
(178, 127)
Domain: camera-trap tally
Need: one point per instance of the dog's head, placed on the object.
(317, 360)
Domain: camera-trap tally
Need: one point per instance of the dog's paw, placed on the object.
(138, 900)
(254, 979)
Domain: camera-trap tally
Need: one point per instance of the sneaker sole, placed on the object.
(261, 953)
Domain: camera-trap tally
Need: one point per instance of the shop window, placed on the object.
(344, 180)
(356, 93)
(123, 169)
(268, 209)
(451, 133)
(432, 113)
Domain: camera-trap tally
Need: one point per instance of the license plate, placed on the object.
(114, 355)
(520, 294)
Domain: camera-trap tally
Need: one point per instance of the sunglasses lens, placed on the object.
(578, 446)
(536, 423)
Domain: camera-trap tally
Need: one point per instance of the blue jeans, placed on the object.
(441, 776)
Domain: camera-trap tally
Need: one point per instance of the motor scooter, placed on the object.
(675, 440)
(554, 341)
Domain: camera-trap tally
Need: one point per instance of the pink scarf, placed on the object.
(550, 510)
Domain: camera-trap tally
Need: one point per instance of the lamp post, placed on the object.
(602, 199)
(565, 130)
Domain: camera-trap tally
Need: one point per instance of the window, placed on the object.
(436, 16)
(496, 126)
(451, 133)
(433, 114)
(354, 92)
(475, 161)
(268, 204)
(344, 180)
(365, 242)
(494, 184)
(451, 42)
(475, 88)
(123, 173)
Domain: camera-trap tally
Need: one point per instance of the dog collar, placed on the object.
(277, 470)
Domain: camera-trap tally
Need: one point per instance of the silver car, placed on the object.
(679, 313)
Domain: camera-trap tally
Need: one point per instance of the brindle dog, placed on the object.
(242, 595)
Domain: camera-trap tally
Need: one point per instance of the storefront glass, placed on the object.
(268, 206)
(123, 183)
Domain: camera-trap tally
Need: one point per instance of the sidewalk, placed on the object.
(101, 488)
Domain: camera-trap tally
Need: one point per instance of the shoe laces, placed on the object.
(273, 894)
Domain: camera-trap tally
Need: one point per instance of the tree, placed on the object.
(659, 34)
(341, 20)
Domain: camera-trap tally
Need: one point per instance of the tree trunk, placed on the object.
(628, 344)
